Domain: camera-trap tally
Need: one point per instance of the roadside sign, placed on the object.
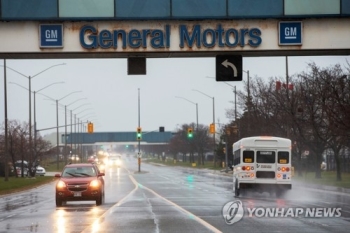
(229, 68)
(290, 33)
(51, 35)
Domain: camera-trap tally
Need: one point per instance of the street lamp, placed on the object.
(57, 132)
(71, 125)
(84, 110)
(30, 100)
(248, 101)
(192, 103)
(65, 128)
(35, 92)
(212, 97)
(5, 116)
(234, 91)
(196, 116)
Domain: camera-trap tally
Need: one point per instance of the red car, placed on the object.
(80, 182)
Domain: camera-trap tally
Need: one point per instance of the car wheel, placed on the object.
(99, 200)
(58, 202)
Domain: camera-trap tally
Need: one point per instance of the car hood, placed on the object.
(69, 180)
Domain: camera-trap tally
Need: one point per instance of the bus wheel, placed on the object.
(279, 192)
(236, 189)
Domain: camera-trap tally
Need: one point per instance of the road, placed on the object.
(165, 199)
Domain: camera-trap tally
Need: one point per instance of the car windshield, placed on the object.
(79, 172)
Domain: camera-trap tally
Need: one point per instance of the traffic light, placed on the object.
(224, 150)
(139, 133)
(90, 127)
(212, 128)
(190, 133)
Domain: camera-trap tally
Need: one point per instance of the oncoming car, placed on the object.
(115, 161)
(80, 182)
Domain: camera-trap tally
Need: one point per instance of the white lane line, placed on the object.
(201, 221)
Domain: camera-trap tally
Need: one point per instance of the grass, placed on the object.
(52, 166)
(16, 184)
(327, 178)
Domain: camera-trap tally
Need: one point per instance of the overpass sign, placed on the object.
(290, 33)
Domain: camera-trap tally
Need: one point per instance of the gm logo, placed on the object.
(290, 33)
(51, 35)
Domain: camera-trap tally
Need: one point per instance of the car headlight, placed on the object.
(94, 183)
(61, 184)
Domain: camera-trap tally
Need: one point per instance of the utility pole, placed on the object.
(5, 111)
(139, 141)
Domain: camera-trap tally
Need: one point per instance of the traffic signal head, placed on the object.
(90, 127)
(139, 133)
(212, 128)
(189, 132)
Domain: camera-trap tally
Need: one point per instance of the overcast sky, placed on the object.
(112, 95)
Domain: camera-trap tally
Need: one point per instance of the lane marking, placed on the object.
(201, 221)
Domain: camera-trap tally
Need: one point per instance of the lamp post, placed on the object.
(234, 92)
(30, 101)
(5, 113)
(139, 126)
(35, 92)
(196, 116)
(84, 110)
(71, 126)
(65, 128)
(192, 103)
(248, 102)
(211, 97)
(57, 132)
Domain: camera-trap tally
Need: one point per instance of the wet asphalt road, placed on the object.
(163, 199)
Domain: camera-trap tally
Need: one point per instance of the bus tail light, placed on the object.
(247, 168)
(283, 169)
(287, 169)
(251, 175)
(278, 175)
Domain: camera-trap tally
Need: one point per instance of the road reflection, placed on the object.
(68, 218)
(60, 221)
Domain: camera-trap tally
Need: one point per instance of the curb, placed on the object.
(320, 187)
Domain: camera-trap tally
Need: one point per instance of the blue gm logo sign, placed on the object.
(290, 33)
(51, 35)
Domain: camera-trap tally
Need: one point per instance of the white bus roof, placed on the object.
(262, 141)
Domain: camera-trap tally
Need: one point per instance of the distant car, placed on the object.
(115, 161)
(80, 182)
(40, 171)
(74, 158)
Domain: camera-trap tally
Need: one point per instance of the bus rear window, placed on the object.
(266, 157)
(248, 156)
(283, 157)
